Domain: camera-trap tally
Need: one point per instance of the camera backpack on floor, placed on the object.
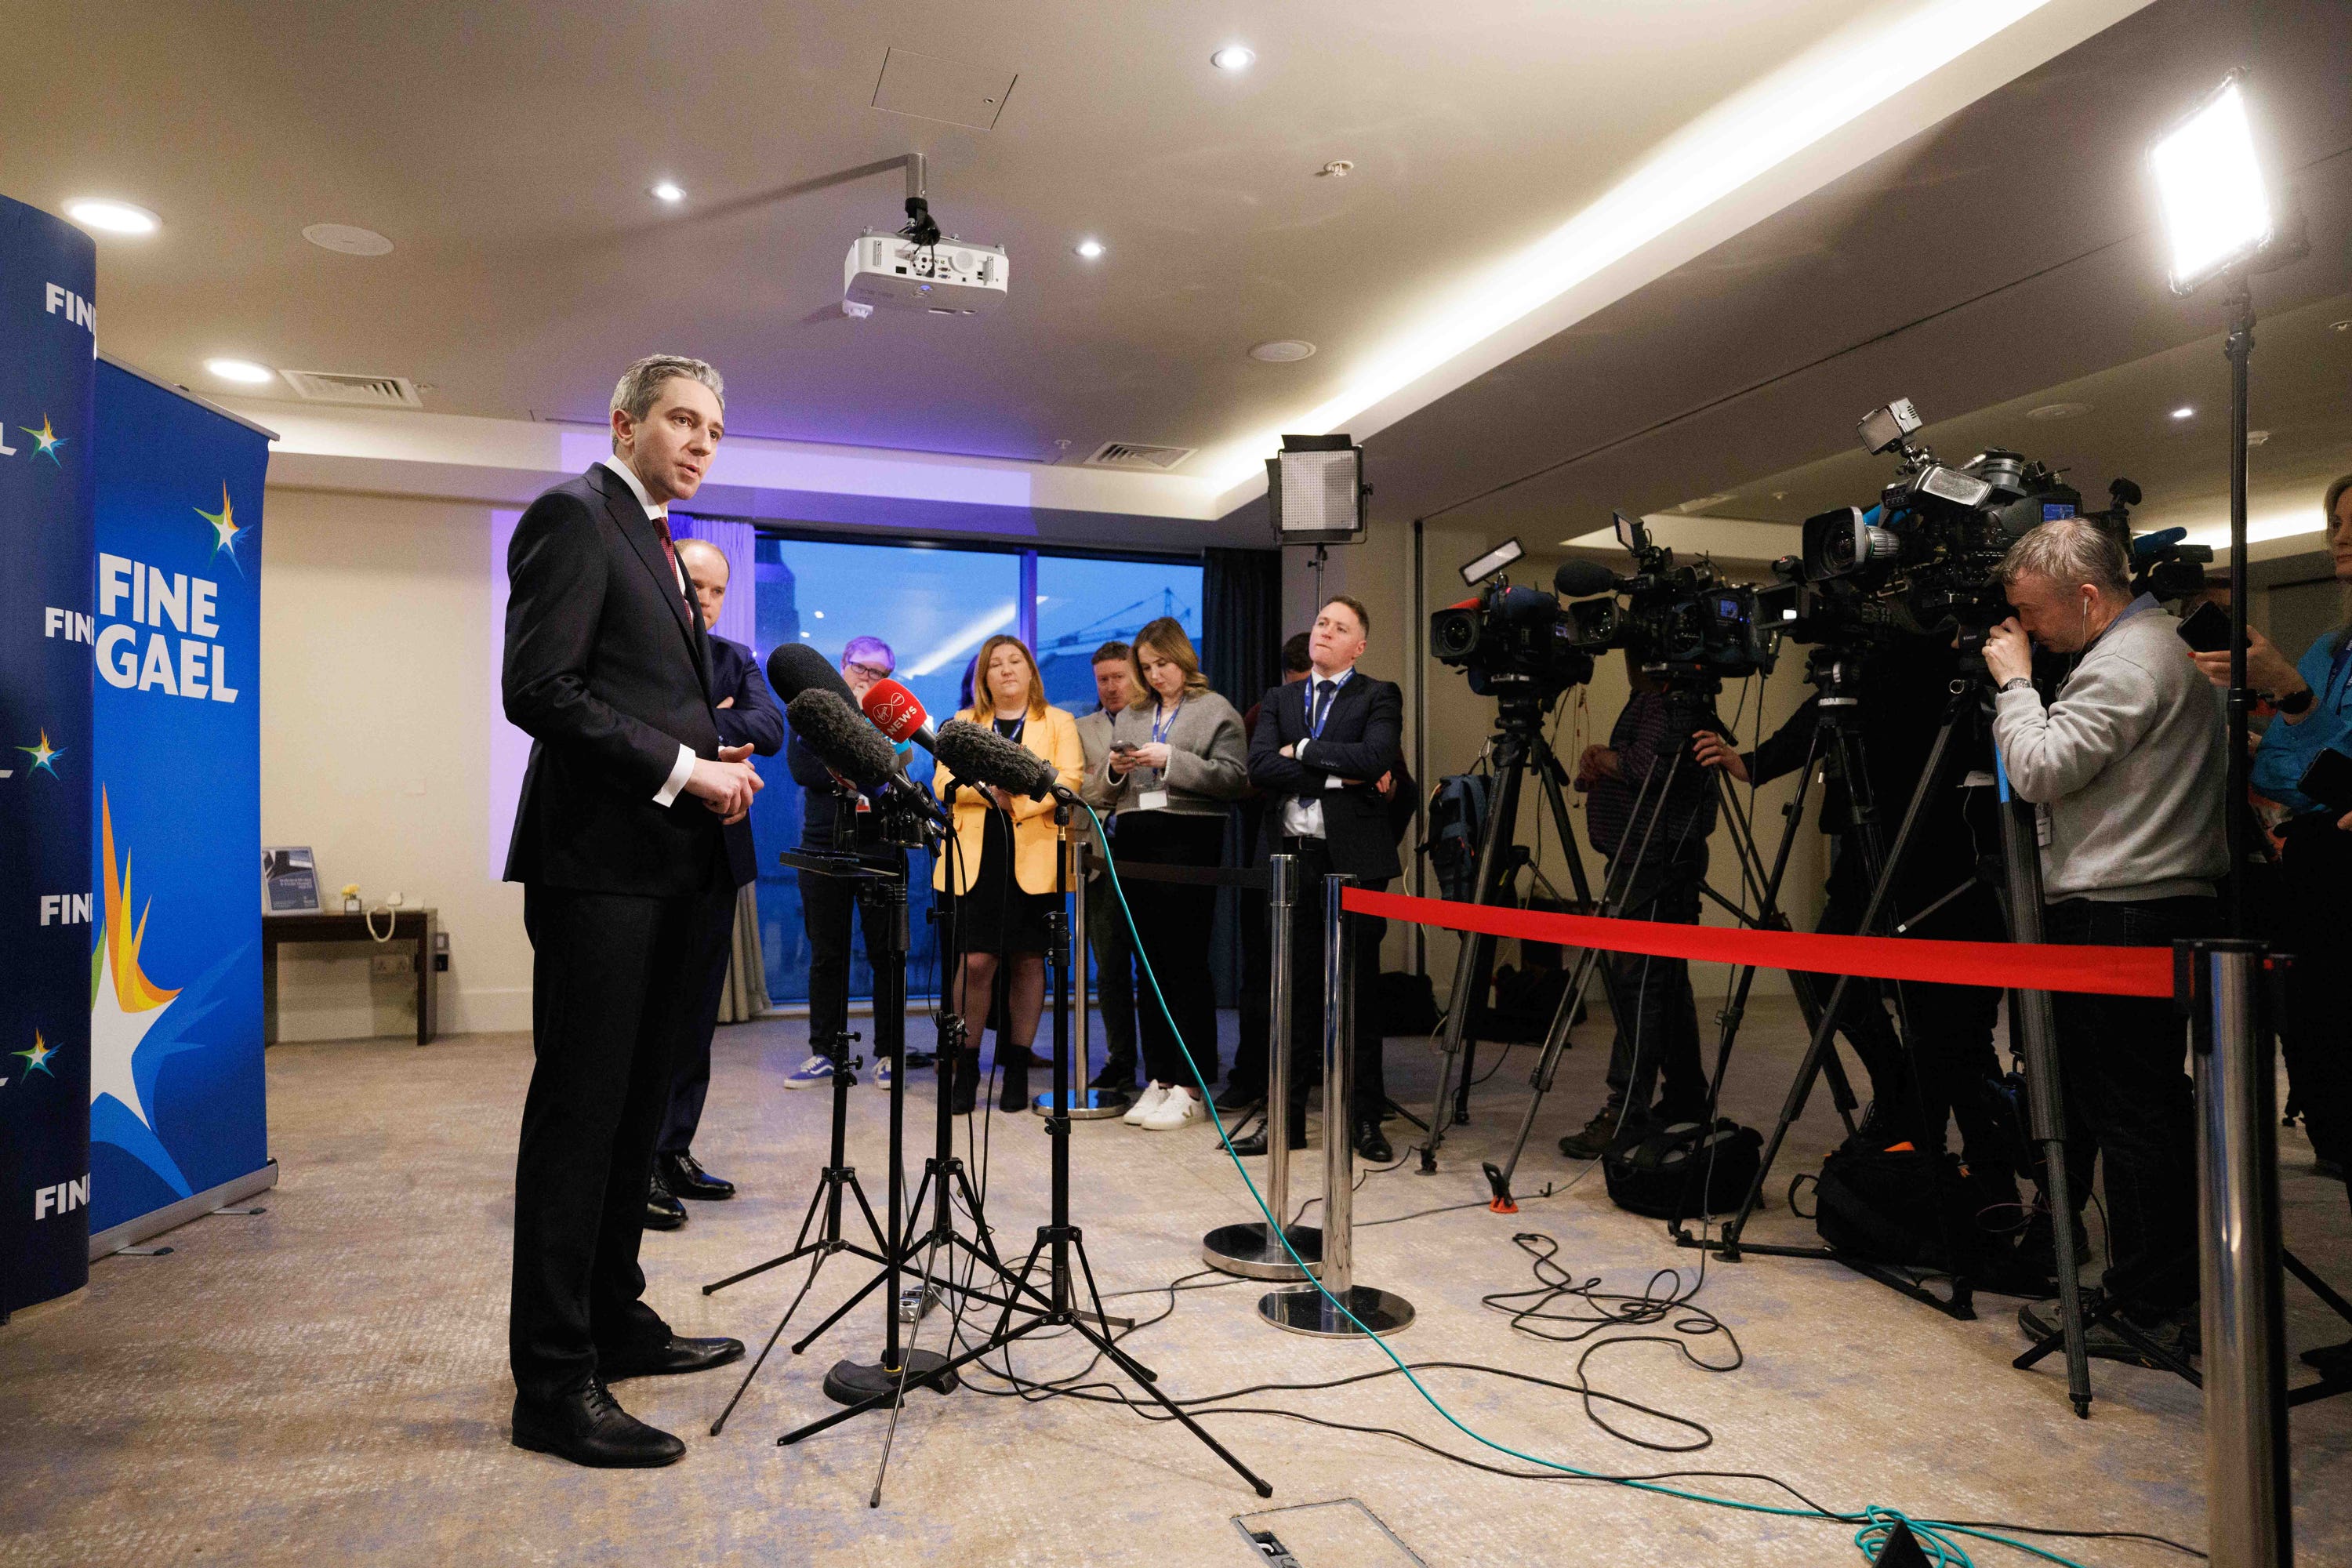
(1878, 1204)
(1683, 1169)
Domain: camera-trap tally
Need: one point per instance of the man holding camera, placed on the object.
(2126, 767)
(1651, 812)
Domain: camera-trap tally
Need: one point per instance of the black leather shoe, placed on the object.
(963, 1090)
(1594, 1141)
(1012, 1063)
(1240, 1099)
(663, 1211)
(1371, 1144)
(1253, 1146)
(588, 1426)
(685, 1177)
(1117, 1073)
(664, 1361)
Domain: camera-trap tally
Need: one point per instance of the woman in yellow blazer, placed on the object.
(1003, 858)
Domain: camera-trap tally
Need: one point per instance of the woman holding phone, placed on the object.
(1177, 758)
(1004, 879)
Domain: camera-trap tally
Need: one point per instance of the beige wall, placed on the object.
(1380, 573)
(379, 660)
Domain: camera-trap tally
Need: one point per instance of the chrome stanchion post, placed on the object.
(1249, 1249)
(2248, 1500)
(1085, 1104)
(1309, 1309)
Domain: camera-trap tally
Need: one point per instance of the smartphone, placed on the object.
(1124, 748)
(2207, 629)
(2328, 780)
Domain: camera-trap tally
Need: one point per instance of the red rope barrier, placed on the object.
(2019, 966)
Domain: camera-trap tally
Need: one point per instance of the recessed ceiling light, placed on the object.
(1282, 351)
(1233, 58)
(111, 216)
(2058, 411)
(347, 239)
(1336, 169)
(240, 369)
(1089, 249)
(2182, 413)
(669, 190)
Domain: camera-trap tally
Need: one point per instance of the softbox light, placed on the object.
(1315, 491)
(2217, 211)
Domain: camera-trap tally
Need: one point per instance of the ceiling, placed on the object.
(2004, 260)
(508, 151)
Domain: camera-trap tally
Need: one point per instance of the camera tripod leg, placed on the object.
(1476, 951)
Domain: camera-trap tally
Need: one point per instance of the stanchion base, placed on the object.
(1310, 1312)
(854, 1382)
(1250, 1251)
(1092, 1105)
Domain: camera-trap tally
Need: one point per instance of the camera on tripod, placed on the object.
(1513, 642)
(1679, 620)
(1927, 558)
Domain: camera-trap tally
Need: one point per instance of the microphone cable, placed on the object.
(1876, 1523)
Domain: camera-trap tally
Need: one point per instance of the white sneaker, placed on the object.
(1145, 1104)
(1177, 1108)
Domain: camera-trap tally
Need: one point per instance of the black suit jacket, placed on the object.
(607, 670)
(755, 721)
(1362, 739)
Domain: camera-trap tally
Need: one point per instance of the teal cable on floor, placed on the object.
(1932, 1535)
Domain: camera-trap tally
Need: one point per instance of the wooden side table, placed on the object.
(407, 925)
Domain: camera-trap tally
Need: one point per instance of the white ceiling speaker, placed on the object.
(1281, 350)
(347, 239)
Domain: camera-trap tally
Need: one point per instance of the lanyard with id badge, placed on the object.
(1155, 798)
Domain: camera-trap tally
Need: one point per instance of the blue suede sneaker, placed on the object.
(815, 1071)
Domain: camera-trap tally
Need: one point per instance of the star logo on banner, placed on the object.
(42, 755)
(225, 526)
(124, 1002)
(38, 1056)
(46, 440)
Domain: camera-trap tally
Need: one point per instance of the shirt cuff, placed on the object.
(1298, 750)
(678, 775)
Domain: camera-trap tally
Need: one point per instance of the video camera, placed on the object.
(1511, 641)
(1676, 620)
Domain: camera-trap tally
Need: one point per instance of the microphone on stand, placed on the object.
(980, 754)
(794, 667)
(847, 743)
(899, 713)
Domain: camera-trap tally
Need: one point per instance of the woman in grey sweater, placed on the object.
(1177, 757)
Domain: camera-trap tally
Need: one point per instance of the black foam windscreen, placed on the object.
(840, 736)
(795, 668)
(978, 755)
(1578, 579)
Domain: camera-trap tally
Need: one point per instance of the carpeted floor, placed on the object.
(327, 1384)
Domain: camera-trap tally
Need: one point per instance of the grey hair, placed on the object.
(2068, 551)
(639, 385)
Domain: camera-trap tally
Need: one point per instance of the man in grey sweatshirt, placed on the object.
(2126, 769)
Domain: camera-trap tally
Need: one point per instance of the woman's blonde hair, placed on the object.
(983, 701)
(1165, 638)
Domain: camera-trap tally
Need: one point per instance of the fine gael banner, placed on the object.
(48, 272)
(173, 959)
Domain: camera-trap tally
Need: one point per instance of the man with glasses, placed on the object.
(826, 901)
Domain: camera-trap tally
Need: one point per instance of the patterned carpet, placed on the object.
(326, 1383)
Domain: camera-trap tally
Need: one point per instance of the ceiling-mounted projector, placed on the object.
(943, 275)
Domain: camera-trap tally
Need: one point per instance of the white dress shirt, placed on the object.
(1302, 815)
(684, 768)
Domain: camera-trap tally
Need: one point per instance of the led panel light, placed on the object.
(1493, 561)
(2217, 213)
(1315, 491)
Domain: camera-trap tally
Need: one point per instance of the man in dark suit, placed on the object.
(620, 846)
(747, 714)
(1319, 750)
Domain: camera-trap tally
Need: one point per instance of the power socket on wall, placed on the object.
(392, 964)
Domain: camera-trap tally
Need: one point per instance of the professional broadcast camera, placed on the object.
(1514, 641)
(1678, 620)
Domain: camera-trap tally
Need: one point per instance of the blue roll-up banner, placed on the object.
(174, 967)
(47, 276)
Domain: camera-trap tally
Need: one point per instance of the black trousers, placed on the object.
(1175, 923)
(1369, 1089)
(827, 904)
(2122, 1067)
(2314, 886)
(1657, 1036)
(689, 1082)
(617, 983)
(1113, 953)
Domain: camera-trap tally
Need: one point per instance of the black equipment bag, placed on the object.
(1407, 1004)
(1880, 1204)
(1457, 823)
(1682, 1170)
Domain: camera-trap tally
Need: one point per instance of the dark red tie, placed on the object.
(669, 549)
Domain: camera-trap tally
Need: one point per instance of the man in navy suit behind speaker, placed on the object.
(1320, 748)
(620, 845)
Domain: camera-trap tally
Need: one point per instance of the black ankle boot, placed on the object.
(964, 1093)
(1012, 1063)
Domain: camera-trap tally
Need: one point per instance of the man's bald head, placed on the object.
(705, 565)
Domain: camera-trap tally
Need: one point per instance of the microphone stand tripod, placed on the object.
(1060, 1244)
